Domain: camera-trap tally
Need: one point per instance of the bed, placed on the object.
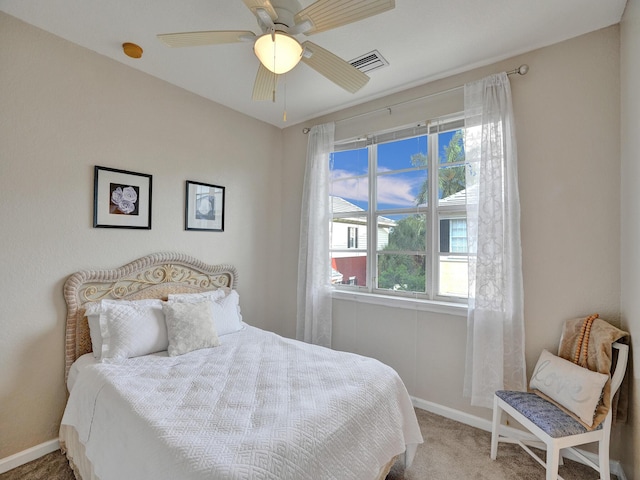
(249, 404)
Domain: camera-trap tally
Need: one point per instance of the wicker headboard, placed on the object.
(153, 276)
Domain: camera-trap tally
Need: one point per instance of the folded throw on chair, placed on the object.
(587, 342)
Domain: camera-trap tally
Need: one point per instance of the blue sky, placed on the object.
(394, 190)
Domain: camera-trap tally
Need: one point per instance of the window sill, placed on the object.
(457, 309)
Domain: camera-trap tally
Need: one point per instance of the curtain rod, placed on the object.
(521, 70)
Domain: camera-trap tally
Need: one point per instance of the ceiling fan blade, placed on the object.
(333, 67)
(194, 39)
(265, 84)
(254, 5)
(328, 14)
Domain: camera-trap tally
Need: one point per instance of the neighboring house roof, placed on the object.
(456, 200)
(340, 205)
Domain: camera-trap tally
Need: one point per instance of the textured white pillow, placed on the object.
(576, 388)
(225, 304)
(132, 328)
(189, 327)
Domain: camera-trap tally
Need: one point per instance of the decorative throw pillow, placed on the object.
(131, 328)
(189, 327)
(576, 388)
(225, 304)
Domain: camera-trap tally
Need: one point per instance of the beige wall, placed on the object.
(567, 111)
(630, 208)
(64, 109)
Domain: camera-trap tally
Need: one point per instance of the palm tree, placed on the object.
(450, 179)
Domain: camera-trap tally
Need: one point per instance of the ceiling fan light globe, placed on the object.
(278, 56)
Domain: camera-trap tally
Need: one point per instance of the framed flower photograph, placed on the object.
(204, 207)
(121, 199)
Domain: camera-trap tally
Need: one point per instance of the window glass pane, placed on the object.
(453, 259)
(349, 163)
(451, 186)
(402, 233)
(385, 225)
(349, 179)
(451, 171)
(453, 235)
(409, 186)
(454, 275)
(349, 250)
(402, 190)
(349, 233)
(349, 268)
(458, 235)
(411, 152)
(349, 195)
(401, 272)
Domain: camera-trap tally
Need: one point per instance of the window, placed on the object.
(398, 212)
(352, 237)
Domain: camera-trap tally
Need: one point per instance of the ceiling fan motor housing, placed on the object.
(286, 10)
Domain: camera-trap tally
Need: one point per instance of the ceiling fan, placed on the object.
(278, 50)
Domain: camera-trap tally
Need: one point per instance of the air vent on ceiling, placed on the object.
(369, 61)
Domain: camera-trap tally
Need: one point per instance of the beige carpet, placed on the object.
(451, 451)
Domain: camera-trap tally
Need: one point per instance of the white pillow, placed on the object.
(225, 305)
(193, 297)
(576, 388)
(189, 327)
(93, 312)
(129, 328)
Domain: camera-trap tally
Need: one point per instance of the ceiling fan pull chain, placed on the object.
(275, 84)
(284, 113)
(273, 38)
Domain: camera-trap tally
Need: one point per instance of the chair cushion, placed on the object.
(544, 414)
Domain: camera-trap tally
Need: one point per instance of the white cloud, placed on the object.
(400, 192)
(396, 190)
(351, 188)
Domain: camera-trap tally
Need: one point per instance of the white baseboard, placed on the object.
(484, 424)
(453, 414)
(28, 455)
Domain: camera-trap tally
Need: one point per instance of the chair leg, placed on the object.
(603, 458)
(495, 429)
(553, 458)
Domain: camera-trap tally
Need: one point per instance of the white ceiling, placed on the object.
(422, 40)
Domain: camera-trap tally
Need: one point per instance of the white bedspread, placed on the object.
(258, 407)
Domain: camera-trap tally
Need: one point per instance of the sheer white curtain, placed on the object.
(314, 262)
(495, 321)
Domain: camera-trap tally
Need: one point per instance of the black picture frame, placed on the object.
(121, 199)
(204, 207)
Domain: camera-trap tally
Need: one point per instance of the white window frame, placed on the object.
(430, 300)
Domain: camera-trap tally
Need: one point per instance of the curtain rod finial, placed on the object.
(521, 70)
(306, 130)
